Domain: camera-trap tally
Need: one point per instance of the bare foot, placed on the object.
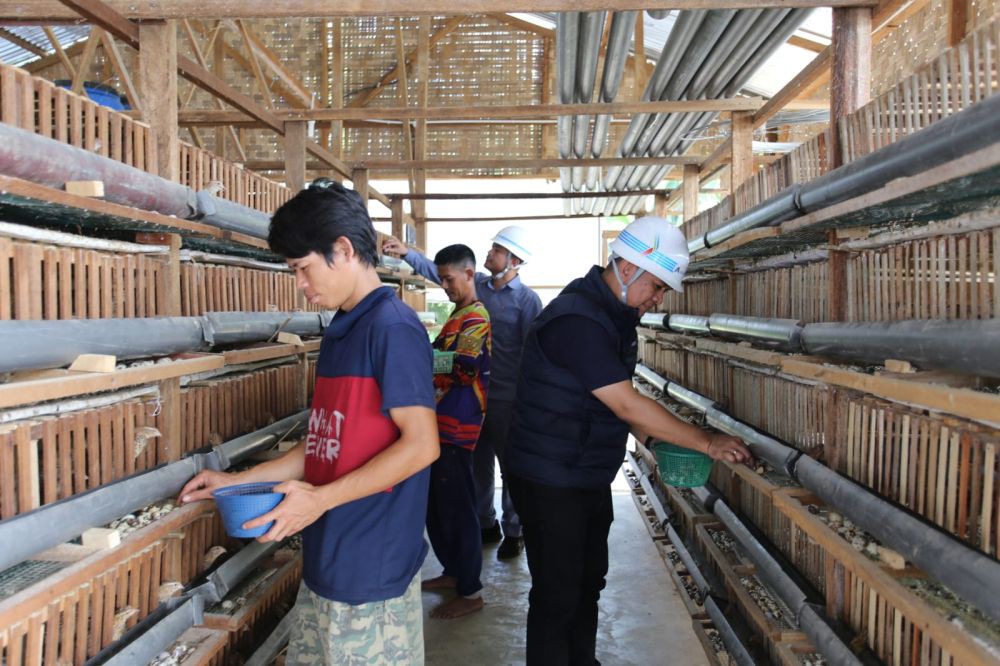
(439, 583)
(457, 607)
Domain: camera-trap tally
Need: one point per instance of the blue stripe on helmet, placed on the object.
(656, 256)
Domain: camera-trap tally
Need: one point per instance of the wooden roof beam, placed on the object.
(104, 16)
(53, 10)
(507, 112)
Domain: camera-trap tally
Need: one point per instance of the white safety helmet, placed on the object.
(654, 245)
(516, 240)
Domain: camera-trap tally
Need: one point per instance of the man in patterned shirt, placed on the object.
(460, 392)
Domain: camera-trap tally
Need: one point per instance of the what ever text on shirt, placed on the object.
(323, 441)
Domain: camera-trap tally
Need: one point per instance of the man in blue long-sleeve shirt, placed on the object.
(512, 307)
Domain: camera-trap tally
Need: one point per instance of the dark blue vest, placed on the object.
(562, 435)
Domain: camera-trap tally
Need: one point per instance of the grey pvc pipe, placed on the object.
(777, 455)
(236, 568)
(229, 215)
(688, 323)
(227, 328)
(33, 344)
(971, 130)
(690, 398)
(969, 573)
(654, 319)
(782, 333)
(53, 524)
(49, 162)
(154, 640)
(240, 448)
(737, 651)
(276, 640)
(732, 642)
(815, 626)
(969, 346)
(649, 376)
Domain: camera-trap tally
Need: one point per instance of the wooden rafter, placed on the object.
(264, 55)
(520, 163)
(517, 111)
(118, 64)
(521, 24)
(59, 51)
(402, 98)
(807, 44)
(258, 73)
(392, 75)
(420, 131)
(199, 55)
(17, 40)
(101, 14)
(89, 49)
(292, 94)
(178, 9)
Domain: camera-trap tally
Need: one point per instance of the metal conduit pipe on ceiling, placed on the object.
(966, 132)
(771, 29)
(52, 524)
(620, 34)
(567, 31)
(969, 573)
(813, 624)
(588, 53)
(680, 36)
(743, 44)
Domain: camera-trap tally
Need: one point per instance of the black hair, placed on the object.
(316, 217)
(456, 255)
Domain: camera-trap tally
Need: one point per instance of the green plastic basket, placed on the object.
(443, 361)
(680, 467)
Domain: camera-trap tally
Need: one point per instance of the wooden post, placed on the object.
(170, 389)
(295, 154)
(661, 205)
(639, 58)
(420, 131)
(219, 69)
(360, 179)
(958, 20)
(850, 75)
(158, 86)
(741, 164)
(691, 184)
(397, 219)
(337, 93)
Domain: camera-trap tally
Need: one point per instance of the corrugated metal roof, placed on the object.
(12, 54)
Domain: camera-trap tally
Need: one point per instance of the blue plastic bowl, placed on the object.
(238, 504)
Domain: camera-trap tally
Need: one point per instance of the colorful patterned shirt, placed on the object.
(461, 394)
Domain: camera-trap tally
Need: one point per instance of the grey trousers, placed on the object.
(493, 442)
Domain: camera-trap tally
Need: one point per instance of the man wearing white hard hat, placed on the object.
(512, 307)
(575, 408)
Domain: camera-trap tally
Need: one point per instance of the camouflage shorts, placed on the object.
(381, 633)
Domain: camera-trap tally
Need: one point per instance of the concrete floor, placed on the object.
(642, 618)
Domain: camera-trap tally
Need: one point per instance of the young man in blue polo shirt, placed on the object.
(357, 487)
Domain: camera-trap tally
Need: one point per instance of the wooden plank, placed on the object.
(912, 607)
(26, 392)
(55, 11)
(966, 403)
